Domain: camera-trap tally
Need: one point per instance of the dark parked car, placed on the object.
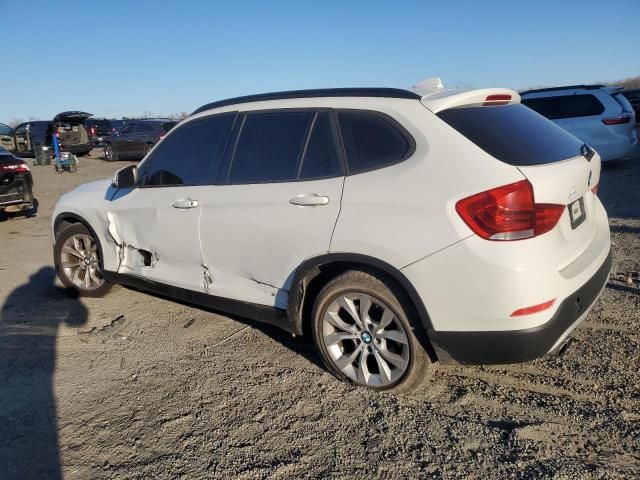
(6, 137)
(135, 139)
(16, 184)
(68, 127)
(99, 128)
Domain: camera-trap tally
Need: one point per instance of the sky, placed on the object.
(114, 58)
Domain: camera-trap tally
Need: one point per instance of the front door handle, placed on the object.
(309, 200)
(185, 203)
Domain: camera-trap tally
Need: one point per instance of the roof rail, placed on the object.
(322, 92)
(567, 87)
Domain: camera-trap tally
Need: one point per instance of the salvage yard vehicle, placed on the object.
(67, 126)
(16, 184)
(134, 140)
(99, 128)
(394, 228)
(6, 137)
(599, 115)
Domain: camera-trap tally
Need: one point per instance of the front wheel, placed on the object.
(361, 328)
(78, 264)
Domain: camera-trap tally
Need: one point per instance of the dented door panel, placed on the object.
(253, 237)
(157, 240)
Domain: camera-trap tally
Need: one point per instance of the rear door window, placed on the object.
(191, 155)
(270, 146)
(373, 140)
(513, 134)
(565, 106)
(321, 158)
(143, 127)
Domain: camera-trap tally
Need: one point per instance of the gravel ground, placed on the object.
(133, 386)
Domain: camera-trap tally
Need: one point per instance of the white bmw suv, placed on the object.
(396, 229)
(600, 116)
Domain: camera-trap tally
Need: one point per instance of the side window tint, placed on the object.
(192, 154)
(143, 127)
(269, 147)
(321, 157)
(372, 140)
(127, 128)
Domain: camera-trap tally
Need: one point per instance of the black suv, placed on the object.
(135, 139)
(67, 126)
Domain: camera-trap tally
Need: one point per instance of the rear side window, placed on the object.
(270, 146)
(372, 140)
(565, 106)
(192, 154)
(513, 134)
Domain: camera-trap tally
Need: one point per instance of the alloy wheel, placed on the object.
(80, 263)
(365, 340)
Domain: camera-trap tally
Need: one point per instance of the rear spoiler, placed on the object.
(444, 99)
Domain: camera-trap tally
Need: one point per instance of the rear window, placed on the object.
(565, 106)
(513, 134)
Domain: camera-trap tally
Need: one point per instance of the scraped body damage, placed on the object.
(155, 241)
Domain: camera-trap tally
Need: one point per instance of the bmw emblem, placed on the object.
(366, 337)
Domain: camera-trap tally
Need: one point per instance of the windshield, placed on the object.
(513, 134)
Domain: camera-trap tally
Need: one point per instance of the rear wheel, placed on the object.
(362, 330)
(110, 153)
(78, 263)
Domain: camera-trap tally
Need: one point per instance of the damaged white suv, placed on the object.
(396, 229)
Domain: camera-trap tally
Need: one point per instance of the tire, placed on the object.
(88, 280)
(110, 154)
(390, 364)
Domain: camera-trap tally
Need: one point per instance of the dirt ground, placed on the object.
(133, 386)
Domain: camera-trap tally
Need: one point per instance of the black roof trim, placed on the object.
(567, 87)
(322, 92)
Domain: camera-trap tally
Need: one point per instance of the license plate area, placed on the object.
(577, 213)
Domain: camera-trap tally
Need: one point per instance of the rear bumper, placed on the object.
(514, 346)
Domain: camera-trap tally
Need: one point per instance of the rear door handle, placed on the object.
(309, 200)
(185, 203)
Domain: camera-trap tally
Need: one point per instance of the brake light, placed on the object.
(533, 309)
(14, 168)
(93, 132)
(619, 120)
(508, 213)
(57, 135)
(497, 99)
(162, 134)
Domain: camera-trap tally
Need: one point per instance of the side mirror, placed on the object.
(126, 177)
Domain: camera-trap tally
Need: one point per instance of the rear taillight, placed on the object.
(93, 132)
(57, 135)
(619, 120)
(162, 134)
(14, 168)
(508, 213)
